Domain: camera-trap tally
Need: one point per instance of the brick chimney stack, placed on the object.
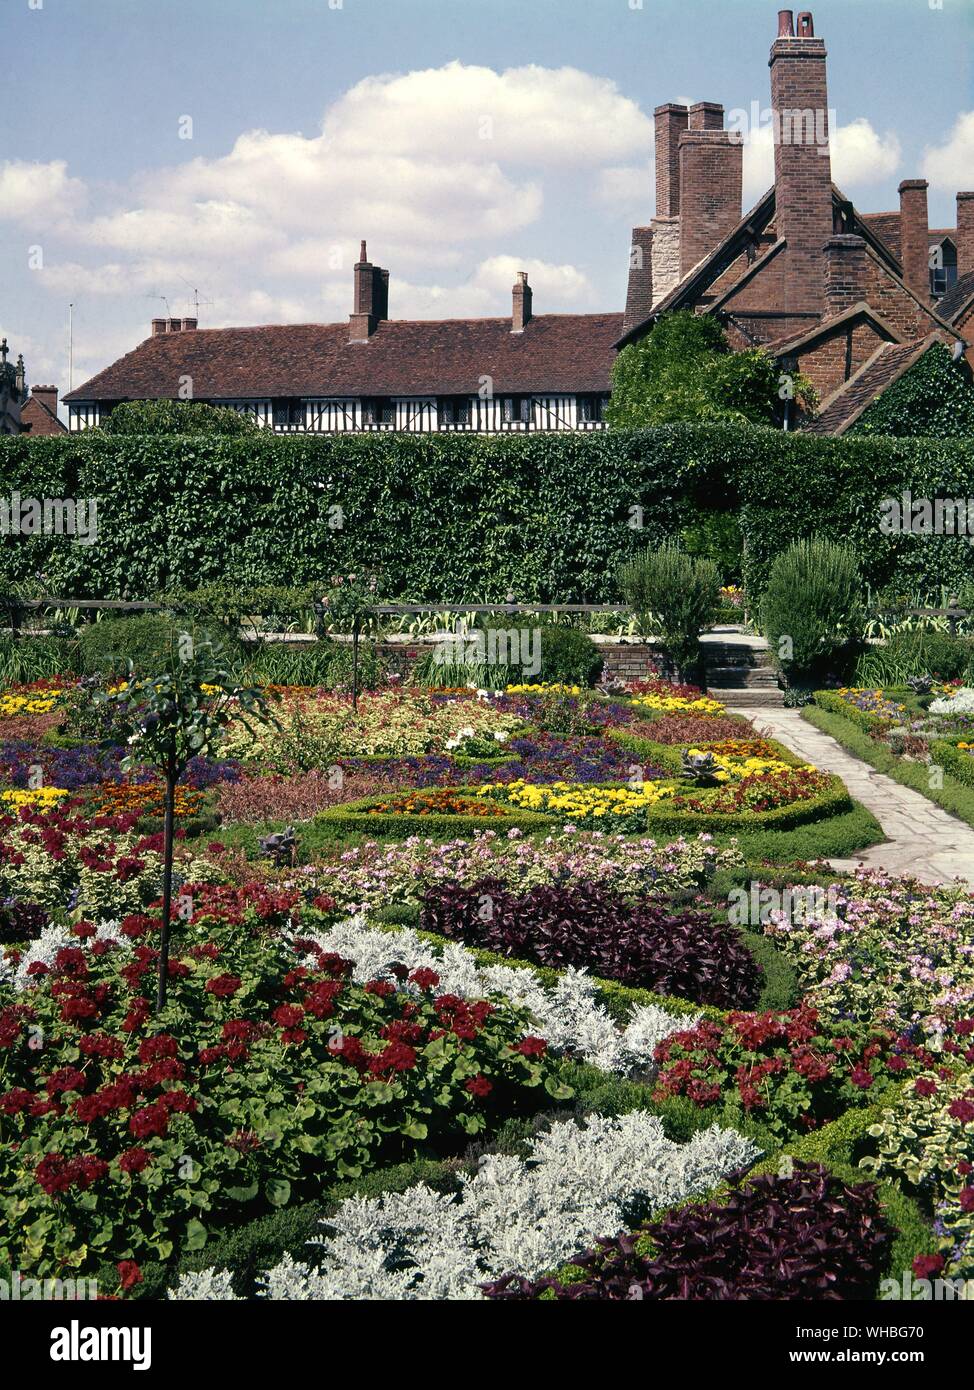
(965, 233)
(915, 237)
(371, 302)
(802, 166)
(639, 292)
(47, 395)
(671, 121)
(845, 273)
(522, 297)
(711, 178)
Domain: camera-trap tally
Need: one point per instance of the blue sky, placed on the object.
(464, 138)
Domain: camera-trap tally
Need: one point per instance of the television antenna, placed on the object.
(206, 303)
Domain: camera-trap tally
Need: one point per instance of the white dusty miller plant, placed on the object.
(568, 1014)
(43, 951)
(579, 1182)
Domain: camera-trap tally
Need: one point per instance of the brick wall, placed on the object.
(965, 233)
(833, 361)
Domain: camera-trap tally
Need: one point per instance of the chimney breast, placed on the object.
(522, 297)
(158, 326)
(845, 274)
(706, 115)
(639, 293)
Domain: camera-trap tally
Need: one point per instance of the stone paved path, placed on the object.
(922, 840)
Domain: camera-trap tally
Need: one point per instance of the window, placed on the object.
(455, 410)
(378, 410)
(943, 267)
(289, 414)
(590, 408)
(516, 410)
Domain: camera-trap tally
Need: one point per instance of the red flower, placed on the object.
(129, 1273)
(288, 1015)
(222, 986)
(924, 1086)
(154, 1049)
(152, 1119)
(962, 1110)
(925, 1265)
(134, 1160)
(479, 1086)
(860, 1077)
(383, 988)
(425, 978)
(966, 1199)
(532, 1047)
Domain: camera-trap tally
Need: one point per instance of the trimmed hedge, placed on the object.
(548, 516)
(831, 802)
(357, 815)
(668, 756)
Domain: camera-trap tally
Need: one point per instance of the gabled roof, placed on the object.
(708, 270)
(862, 311)
(36, 419)
(888, 363)
(726, 253)
(957, 299)
(556, 352)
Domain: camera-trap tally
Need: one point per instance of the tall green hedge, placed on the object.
(465, 517)
(934, 398)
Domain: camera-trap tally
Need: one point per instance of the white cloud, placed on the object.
(950, 167)
(527, 115)
(38, 194)
(859, 154)
(628, 191)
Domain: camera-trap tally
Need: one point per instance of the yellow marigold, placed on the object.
(33, 796)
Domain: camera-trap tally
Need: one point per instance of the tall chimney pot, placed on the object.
(786, 24)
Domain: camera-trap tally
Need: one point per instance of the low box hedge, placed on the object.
(956, 761)
(359, 816)
(834, 801)
(869, 723)
(668, 756)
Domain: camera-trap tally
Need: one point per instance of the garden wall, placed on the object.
(463, 517)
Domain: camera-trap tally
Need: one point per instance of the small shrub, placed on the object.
(372, 670)
(811, 611)
(150, 641)
(915, 653)
(681, 594)
(568, 657)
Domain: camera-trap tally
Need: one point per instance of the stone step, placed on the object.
(741, 676)
(749, 697)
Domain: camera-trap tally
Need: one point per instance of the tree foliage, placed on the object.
(684, 369)
(176, 417)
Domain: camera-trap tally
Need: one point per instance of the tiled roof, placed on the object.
(556, 352)
(886, 365)
(36, 418)
(886, 225)
(957, 298)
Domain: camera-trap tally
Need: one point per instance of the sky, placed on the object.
(157, 152)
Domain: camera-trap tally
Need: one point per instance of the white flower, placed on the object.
(579, 1182)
